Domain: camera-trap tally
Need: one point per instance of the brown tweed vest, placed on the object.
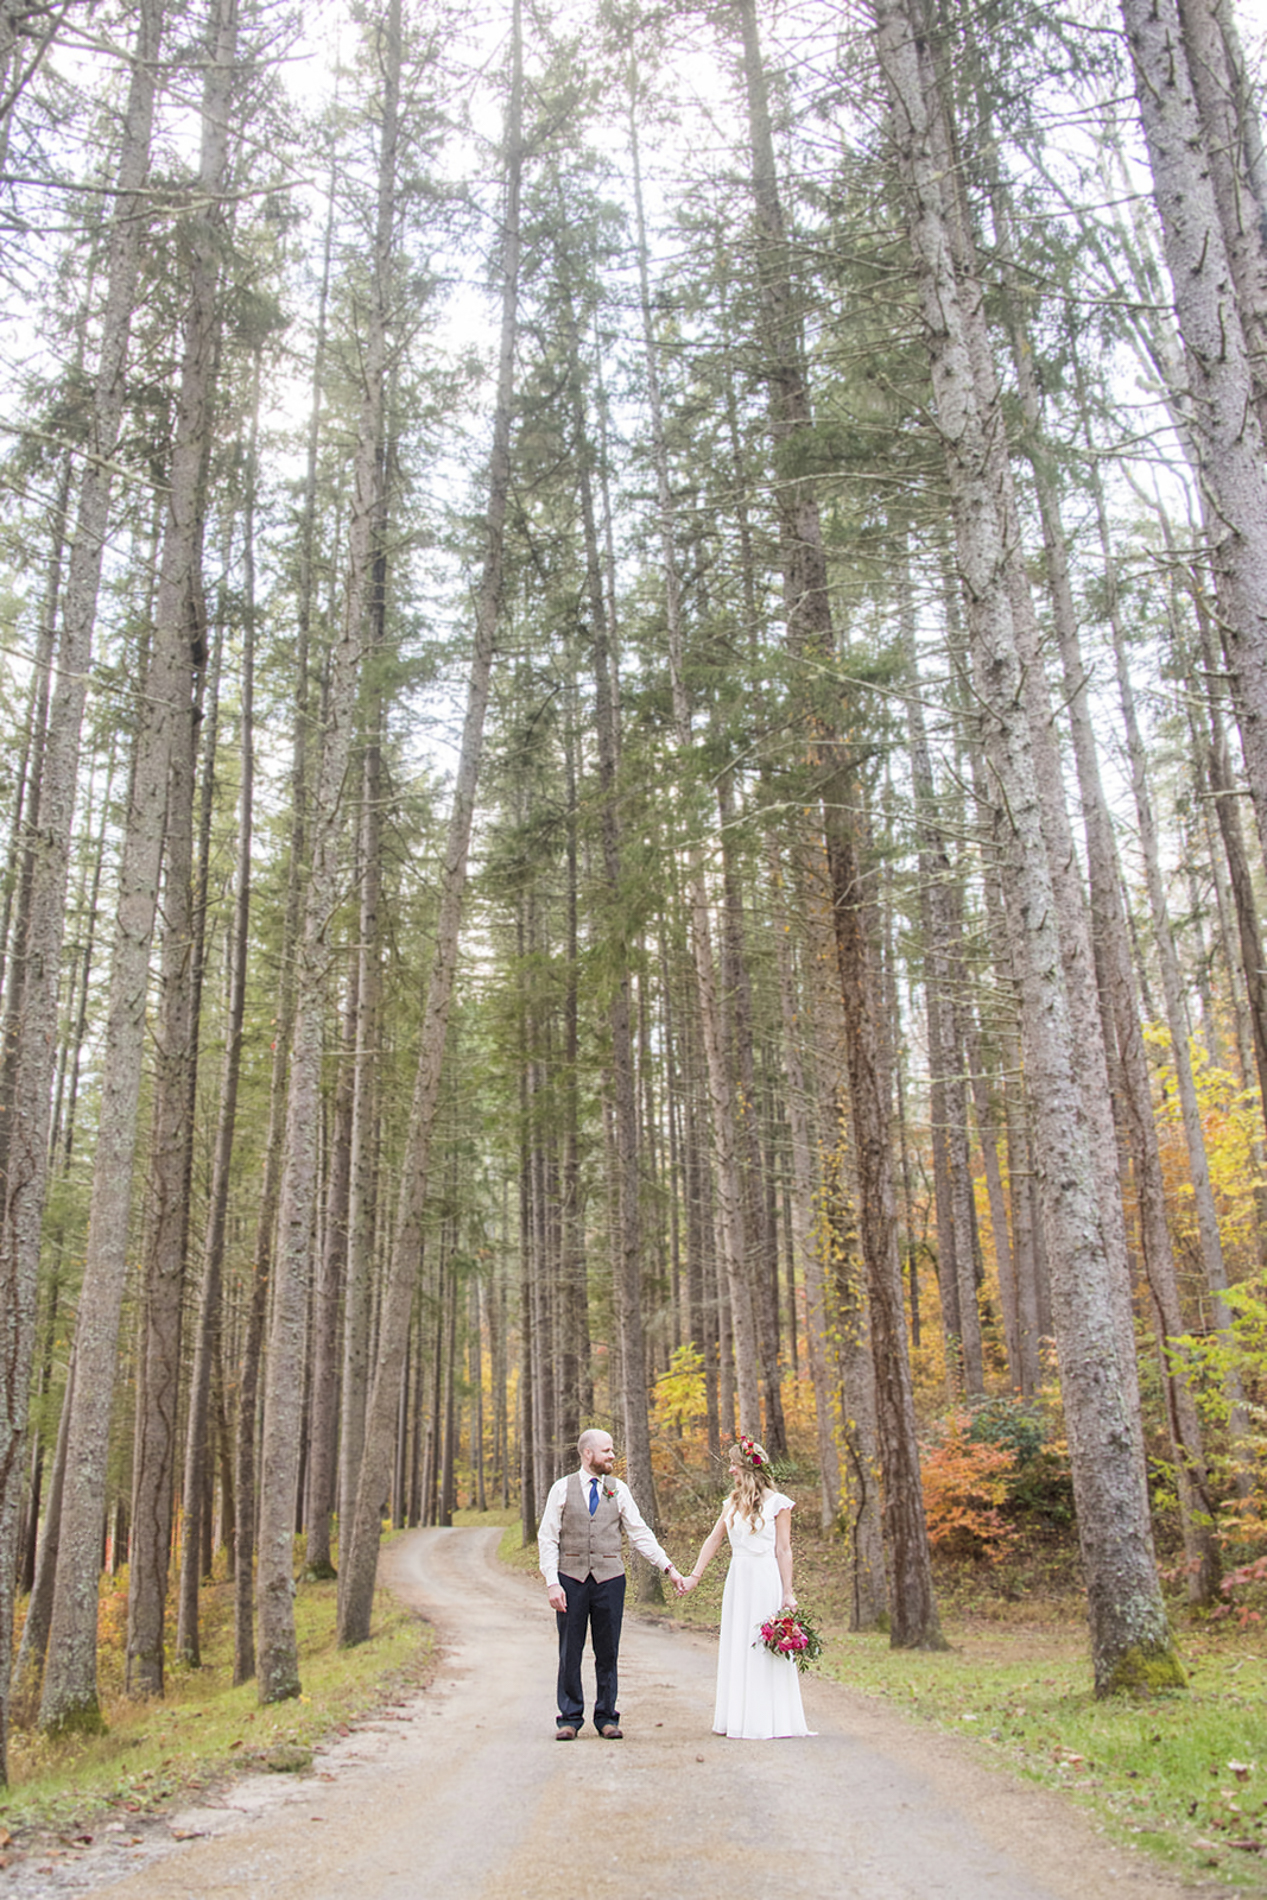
(590, 1546)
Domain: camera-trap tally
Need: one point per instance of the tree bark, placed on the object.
(1217, 338)
(193, 1559)
(358, 1560)
(70, 1694)
(1131, 1641)
(819, 1348)
(759, 1240)
(1225, 114)
(280, 1444)
(861, 1505)
(28, 1671)
(25, 1176)
(625, 1145)
(914, 1622)
(1119, 1002)
(167, 1226)
(961, 1319)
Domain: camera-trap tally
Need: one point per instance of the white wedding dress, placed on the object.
(758, 1695)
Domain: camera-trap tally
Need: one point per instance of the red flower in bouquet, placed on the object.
(791, 1635)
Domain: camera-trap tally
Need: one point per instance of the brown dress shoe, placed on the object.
(565, 1732)
(612, 1733)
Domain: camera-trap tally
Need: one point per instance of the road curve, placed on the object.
(463, 1793)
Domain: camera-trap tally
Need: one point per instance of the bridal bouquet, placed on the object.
(791, 1635)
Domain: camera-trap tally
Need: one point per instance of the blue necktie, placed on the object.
(593, 1495)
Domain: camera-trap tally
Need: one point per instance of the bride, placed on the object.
(758, 1694)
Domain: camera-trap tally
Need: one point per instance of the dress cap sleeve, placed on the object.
(780, 1501)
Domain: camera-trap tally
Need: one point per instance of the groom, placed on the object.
(581, 1561)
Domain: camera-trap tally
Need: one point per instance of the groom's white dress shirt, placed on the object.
(640, 1533)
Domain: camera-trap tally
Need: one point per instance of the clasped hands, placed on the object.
(682, 1585)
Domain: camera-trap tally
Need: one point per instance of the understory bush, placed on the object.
(965, 1489)
(1040, 1483)
(1244, 1592)
(993, 1474)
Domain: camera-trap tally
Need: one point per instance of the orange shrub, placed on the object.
(965, 1486)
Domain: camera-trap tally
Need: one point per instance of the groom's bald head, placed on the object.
(596, 1449)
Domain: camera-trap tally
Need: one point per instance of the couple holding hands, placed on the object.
(758, 1694)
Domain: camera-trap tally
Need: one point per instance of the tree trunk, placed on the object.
(280, 1447)
(1131, 1641)
(861, 1505)
(961, 1317)
(327, 1293)
(358, 1560)
(26, 802)
(1218, 342)
(756, 1228)
(25, 1177)
(914, 1621)
(1209, 1239)
(819, 1348)
(1111, 947)
(1225, 793)
(28, 1671)
(1028, 1262)
(1223, 112)
(70, 1693)
(193, 1560)
(167, 1226)
(724, 1119)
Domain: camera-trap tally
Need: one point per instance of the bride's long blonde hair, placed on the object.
(750, 1463)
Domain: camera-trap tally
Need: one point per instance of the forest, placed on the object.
(633, 698)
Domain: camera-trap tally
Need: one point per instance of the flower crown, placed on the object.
(751, 1452)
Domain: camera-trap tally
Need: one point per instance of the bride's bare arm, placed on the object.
(707, 1551)
(783, 1554)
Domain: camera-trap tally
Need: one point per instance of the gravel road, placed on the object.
(462, 1793)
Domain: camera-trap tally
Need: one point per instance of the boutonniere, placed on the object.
(609, 1490)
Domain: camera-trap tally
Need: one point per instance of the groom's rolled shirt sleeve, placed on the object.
(639, 1532)
(548, 1533)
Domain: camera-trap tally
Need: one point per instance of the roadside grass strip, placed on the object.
(1183, 1774)
(204, 1729)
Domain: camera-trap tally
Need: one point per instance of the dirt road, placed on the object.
(463, 1793)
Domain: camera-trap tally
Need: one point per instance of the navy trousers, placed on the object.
(597, 1609)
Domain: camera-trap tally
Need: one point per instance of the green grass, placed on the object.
(487, 1519)
(517, 1555)
(203, 1729)
(1157, 1772)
